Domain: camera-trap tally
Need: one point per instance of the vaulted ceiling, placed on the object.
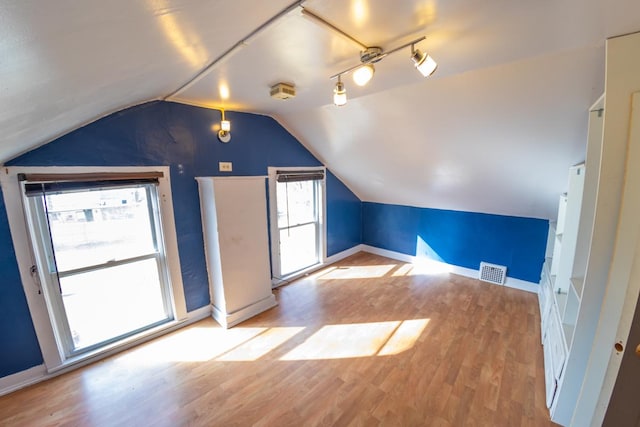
(493, 130)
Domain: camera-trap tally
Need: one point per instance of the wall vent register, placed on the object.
(493, 273)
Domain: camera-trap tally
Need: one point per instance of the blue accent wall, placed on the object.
(179, 136)
(19, 349)
(459, 238)
(344, 218)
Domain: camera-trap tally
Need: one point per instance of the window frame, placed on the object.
(19, 224)
(274, 229)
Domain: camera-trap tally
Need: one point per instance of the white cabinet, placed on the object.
(234, 226)
(563, 282)
(567, 297)
(559, 303)
(557, 279)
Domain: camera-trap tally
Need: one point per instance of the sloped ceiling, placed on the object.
(493, 130)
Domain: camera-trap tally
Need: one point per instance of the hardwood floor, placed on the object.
(368, 341)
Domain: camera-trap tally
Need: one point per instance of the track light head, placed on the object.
(423, 62)
(362, 75)
(339, 93)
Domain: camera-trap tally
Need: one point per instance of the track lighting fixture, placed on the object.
(339, 93)
(363, 72)
(224, 134)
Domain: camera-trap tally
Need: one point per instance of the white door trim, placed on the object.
(623, 286)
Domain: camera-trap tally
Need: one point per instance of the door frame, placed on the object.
(623, 288)
(54, 359)
(273, 224)
(607, 266)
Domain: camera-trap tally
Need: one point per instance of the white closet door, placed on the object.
(242, 231)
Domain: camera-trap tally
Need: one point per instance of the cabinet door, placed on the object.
(241, 209)
(549, 378)
(547, 304)
(542, 291)
(543, 307)
(556, 342)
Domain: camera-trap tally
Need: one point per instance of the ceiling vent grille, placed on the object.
(283, 91)
(493, 273)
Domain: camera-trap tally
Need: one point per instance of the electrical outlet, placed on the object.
(225, 166)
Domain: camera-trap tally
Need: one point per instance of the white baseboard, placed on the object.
(196, 315)
(22, 379)
(227, 320)
(523, 285)
(342, 255)
(39, 373)
(448, 268)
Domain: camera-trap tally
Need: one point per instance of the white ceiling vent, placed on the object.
(493, 273)
(283, 91)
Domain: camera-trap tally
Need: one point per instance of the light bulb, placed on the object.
(424, 63)
(339, 94)
(362, 75)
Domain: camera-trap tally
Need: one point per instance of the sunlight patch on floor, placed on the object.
(197, 344)
(239, 344)
(260, 345)
(358, 272)
(344, 341)
(359, 340)
(404, 337)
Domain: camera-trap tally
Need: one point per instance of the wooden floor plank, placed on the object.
(367, 341)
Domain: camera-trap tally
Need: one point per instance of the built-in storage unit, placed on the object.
(234, 225)
(561, 293)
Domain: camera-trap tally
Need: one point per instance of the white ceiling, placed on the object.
(493, 130)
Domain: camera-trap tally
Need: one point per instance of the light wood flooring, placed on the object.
(368, 341)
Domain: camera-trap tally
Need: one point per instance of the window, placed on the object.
(98, 245)
(297, 226)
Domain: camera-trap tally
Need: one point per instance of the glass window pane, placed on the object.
(111, 302)
(298, 248)
(94, 227)
(295, 202)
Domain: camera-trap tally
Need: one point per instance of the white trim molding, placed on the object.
(22, 379)
(448, 268)
(344, 254)
(438, 266)
(228, 320)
